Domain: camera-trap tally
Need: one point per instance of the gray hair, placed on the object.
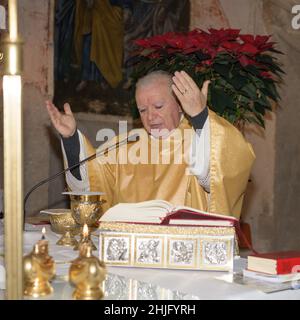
(154, 76)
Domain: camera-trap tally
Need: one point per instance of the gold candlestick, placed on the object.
(39, 269)
(85, 237)
(87, 273)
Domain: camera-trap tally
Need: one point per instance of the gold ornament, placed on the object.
(87, 273)
(39, 269)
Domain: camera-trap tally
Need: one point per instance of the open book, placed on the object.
(163, 212)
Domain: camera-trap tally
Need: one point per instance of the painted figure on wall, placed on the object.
(98, 41)
(93, 41)
(64, 33)
(89, 36)
(153, 17)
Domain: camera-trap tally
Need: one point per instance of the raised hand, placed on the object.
(192, 99)
(64, 123)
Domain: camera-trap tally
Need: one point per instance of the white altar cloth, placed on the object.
(143, 283)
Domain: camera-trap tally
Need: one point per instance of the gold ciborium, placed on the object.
(62, 222)
(86, 209)
(87, 273)
(39, 269)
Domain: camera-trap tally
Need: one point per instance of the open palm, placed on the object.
(64, 123)
(192, 99)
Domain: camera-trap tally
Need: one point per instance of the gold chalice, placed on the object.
(62, 222)
(86, 209)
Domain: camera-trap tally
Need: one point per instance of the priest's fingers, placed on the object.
(181, 82)
(67, 109)
(178, 93)
(189, 80)
(204, 88)
(49, 103)
(179, 85)
(52, 111)
(192, 101)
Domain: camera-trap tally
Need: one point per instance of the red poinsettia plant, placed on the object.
(243, 69)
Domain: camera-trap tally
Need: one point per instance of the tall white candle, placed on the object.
(13, 20)
(13, 165)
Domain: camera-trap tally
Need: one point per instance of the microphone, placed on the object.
(135, 137)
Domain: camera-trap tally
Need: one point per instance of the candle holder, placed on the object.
(7, 46)
(86, 209)
(39, 269)
(85, 237)
(87, 273)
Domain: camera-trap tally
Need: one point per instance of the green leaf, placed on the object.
(199, 78)
(259, 108)
(259, 83)
(270, 63)
(222, 69)
(224, 84)
(241, 99)
(220, 100)
(263, 101)
(251, 119)
(238, 82)
(224, 58)
(275, 50)
(270, 91)
(250, 90)
(265, 58)
(252, 69)
(260, 119)
(276, 69)
(202, 56)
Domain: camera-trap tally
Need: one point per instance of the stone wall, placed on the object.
(277, 17)
(36, 30)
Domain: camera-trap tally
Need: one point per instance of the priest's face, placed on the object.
(158, 108)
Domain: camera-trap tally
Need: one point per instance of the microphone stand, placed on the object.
(93, 156)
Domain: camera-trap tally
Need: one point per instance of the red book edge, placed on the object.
(285, 260)
(287, 265)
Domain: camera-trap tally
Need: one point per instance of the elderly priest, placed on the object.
(186, 154)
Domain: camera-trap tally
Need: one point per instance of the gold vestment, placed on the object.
(231, 159)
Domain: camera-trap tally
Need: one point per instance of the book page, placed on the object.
(160, 211)
(152, 211)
